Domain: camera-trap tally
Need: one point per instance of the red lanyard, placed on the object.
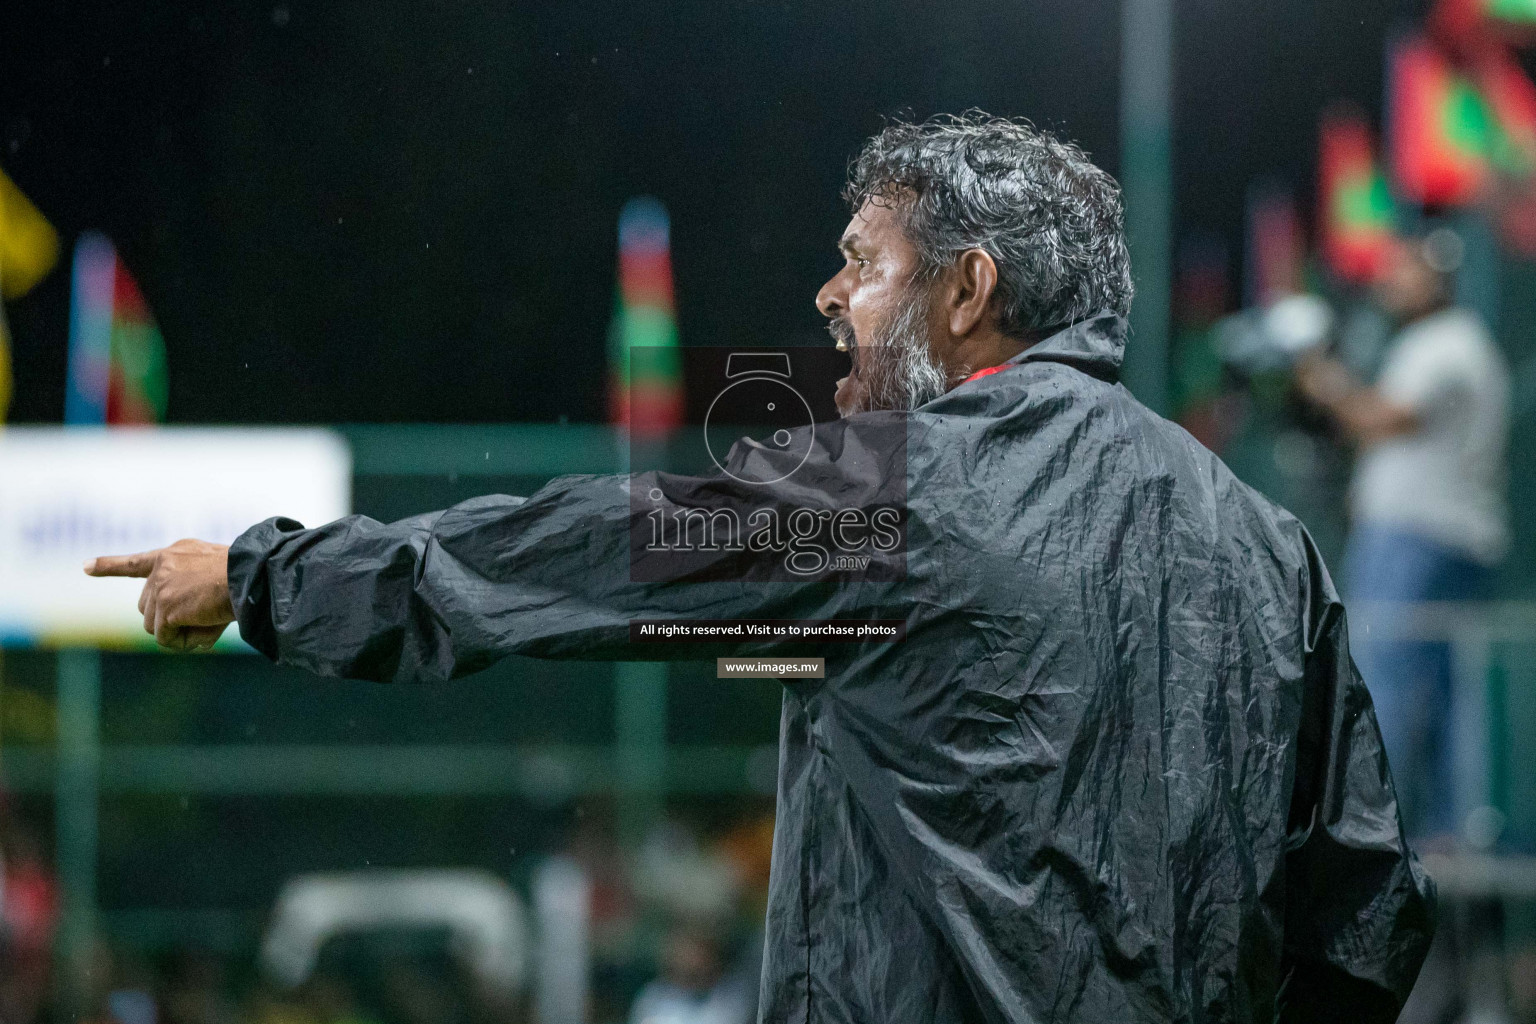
(986, 373)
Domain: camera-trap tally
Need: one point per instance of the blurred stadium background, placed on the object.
(383, 257)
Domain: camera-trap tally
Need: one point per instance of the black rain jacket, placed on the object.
(1122, 767)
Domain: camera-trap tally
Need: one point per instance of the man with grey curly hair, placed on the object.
(987, 211)
(1112, 762)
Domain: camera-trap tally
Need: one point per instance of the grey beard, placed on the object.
(898, 367)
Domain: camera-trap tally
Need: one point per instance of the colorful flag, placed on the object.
(1441, 128)
(1200, 299)
(1511, 99)
(29, 247)
(1274, 248)
(645, 391)
(1356, 219)
(116, 354)
(1454, 127)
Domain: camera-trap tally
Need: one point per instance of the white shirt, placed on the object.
(661, 1002)
(1445, 480)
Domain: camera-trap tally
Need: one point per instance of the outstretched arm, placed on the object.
(561, 574)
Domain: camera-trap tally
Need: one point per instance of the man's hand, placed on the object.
(186, 591)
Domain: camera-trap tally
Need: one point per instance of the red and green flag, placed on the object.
(1357, 219)
(1454, 128)
(645, 391)
(1441, 128)
(116, 353)
(1511, 99)
(1274, 250)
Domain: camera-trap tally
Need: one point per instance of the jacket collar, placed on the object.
(1095, 346)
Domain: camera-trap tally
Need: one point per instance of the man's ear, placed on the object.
(973, 282)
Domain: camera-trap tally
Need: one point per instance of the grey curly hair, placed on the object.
(1052, 221)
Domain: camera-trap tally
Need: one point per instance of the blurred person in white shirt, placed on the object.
(695, 986)
(1427, 502)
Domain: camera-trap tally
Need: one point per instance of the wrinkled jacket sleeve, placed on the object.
(1359, 908)
(444, 594)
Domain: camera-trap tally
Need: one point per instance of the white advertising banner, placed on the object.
(68, 494)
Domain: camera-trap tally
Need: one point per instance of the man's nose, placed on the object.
(832, 300)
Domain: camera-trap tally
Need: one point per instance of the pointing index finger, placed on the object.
(139, 565)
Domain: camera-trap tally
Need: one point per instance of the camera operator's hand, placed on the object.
(185, 600)
(1323, 380)
(1365, 415)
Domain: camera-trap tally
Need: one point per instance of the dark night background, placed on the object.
(366, 211)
